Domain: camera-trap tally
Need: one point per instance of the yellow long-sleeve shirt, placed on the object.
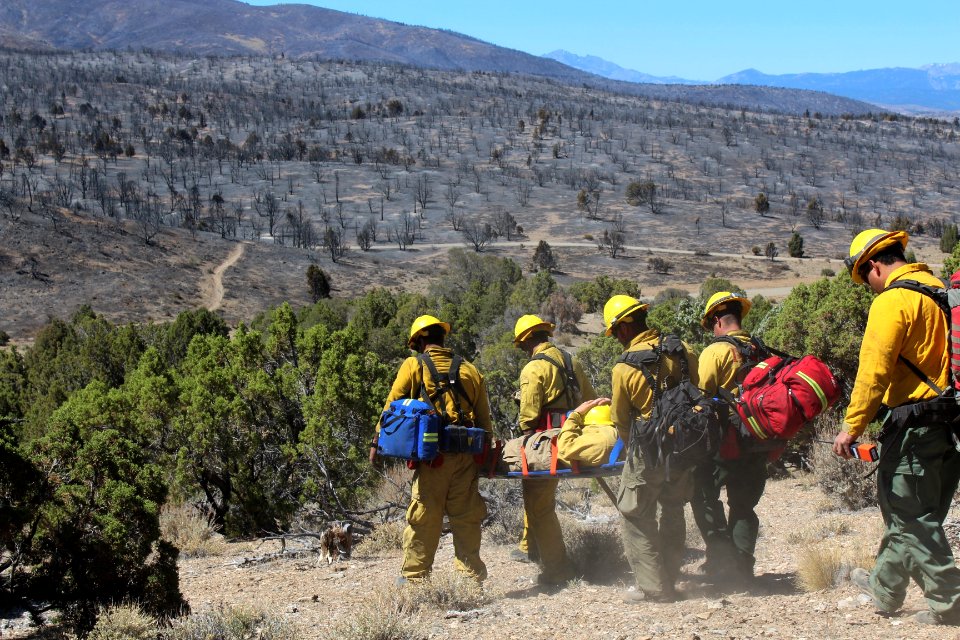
(590, 444)
(632, 396)
(475, 407)
(542, 386)
(901, 323)
(719, 364)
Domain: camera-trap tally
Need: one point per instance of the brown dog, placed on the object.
(336, 542)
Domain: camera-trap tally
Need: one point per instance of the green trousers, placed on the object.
(451, 488)
(653, 547)
(730, 539)
(915, 484)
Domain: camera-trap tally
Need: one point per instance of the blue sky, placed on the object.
(698, 39)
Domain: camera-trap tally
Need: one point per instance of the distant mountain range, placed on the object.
(230, 27)
(930, 89)
(607, 69)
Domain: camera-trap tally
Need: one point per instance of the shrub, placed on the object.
(949, 238)
(843, 479)
(192, 531)
(827, 272)
(596, 550)
(231, 624)
(318, 282)
(594, 294)
(124, 622)
(826, 318)
(795, 245)
(387, 536)
(761, 204)
(94, 532)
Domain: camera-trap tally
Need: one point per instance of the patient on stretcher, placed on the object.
(586, 439)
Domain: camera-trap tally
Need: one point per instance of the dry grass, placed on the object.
(387, 615)
(447, 590)
(124, 622)
(394, 613)
(191, 530)
(822, 565)
(384, 538)
(228, 623)
(818, 567)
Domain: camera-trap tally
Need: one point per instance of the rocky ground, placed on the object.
(797, 520)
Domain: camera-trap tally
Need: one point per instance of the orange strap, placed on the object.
(553, 456)
(525, 469)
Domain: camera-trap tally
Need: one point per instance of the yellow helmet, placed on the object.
(599, 415)
(716, 303)
(867, 244)
(527, 325)
(422, 323)
(619, 307)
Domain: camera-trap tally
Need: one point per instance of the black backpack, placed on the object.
(571, 387)
(685, 426)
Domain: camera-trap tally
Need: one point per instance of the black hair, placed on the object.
(538, 336)
(889, 255)
(434, 334)
(639, 320)
(733, 308)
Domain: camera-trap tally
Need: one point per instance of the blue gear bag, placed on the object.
(410, 429)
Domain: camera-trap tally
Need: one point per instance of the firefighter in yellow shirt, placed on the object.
(551, 384)
(448, 484)
(741, 465)
(653, 549)
(904, 364)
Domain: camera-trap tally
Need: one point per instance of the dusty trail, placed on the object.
(212, 288)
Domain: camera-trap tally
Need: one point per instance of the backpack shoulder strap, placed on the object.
(571, 387)
(571, 374)
(942, 298)
(642, 360)
(937, 294)
(740, 345)
(449, 384)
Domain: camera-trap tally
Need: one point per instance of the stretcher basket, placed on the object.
(612, 467)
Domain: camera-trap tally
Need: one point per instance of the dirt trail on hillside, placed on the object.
(212, 287)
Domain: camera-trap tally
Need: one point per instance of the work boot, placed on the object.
(555, 580)
(929, 617)
(861, 580)
(519, 556)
